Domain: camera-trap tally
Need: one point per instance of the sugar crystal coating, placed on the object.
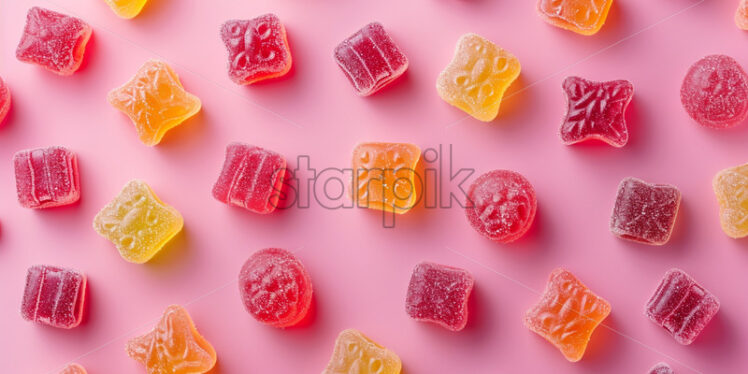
(73, 369)
(715, 92)
(46, 177)
(731, 187)
(661, 368)
(354, 353)
(126, 8)
(584, 17)
(741, 15)
(4, 100)
(439, 294)
(385, 176)
(645, 212)
(258, 49)
(54, 296)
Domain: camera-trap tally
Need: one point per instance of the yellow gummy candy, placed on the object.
(731, 187)
(385, 176)
(355, 353)
(126, 8)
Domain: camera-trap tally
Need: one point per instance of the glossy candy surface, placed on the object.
(258, 49)
(354, 353)
(439, 294)
(46, 177)
(4, 100)
(126, 8)
(731, 187)
(661, 368)
(73, 369)
(385, 176)
(584, 17)
(645, 212)
(54, 296)
(715, 92)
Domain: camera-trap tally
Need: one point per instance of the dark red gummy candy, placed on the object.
(258, 48)
(439, 294)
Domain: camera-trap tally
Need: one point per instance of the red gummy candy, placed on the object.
(4, 100)
(439, 294)
(661, 368)
(258, 49)
(54, 41)
(595, 110)
(715, 92)
(501, 205)
(54, 296)
(645, 212)
(275, 288)
(46, 177)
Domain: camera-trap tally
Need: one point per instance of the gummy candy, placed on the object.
(477, 77)
(385, 176)
(54, 296)
(595, 110)
(275, 287)
(46, 177)
(155, 101)
(731, 187)
(741, 15)
(370, 59)
(174, 346)
(73, 369)
(584, 17)
(715, 92)
(661, 368)
(355, 353)
(501, 205)
(567, 314)
(258, 49)
(681, 306)
(126, 8)
(645, 212)
(54, 41)
(4, 100)
(138, 222)
(439, 294)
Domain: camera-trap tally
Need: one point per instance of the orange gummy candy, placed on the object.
(355, 353)
(741, 15)
(384, 176)
(584, 17)
(731, 187)
(73, 369)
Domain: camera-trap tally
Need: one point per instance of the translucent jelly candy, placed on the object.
(275, 287)
(567, 314)
(355, 353)
(439, 294)
(46, 177)
(174, 346)
(595, 110)
(73, 369)
(126, 8)
(661, 368)
(155, 101)
(681, 306)
(731, 187)
(4, 100)
(138, 222)
(584, 17)
(370, 59)
(53, 40)
(501, 205)
(715, 92)
(258, 49)
(477, 77)
(741, 15)
(645, 212)
(54, 296)
(384, 176)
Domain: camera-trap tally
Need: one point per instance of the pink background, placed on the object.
(359, 269)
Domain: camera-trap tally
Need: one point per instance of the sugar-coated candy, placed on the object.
(355, 353)
(682, 306)
(46, 177)
(73, 369)
(53, 40)
(715, 92)
(155, 101)
(439, 294)
(4, 100)
(258, 49)
(174, 346)
(370, 59)
(567, 314)
(126, 8)
(741, 15)
(661, 368)
(385, 176)
(138, 222)
(477, 77)
(595, 110)
(731, 187)
(645, 212)
(54, 296)
(584, 17)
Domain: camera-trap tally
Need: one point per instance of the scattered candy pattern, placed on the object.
(661, 368)
(384, 176)
(46, 177)
(73, 369)
(731, 187)
(54, 296)
(715, 92)
(126, 8)
(439, 294)
(355, 353)
(4, 100)
(645, 212)
(258, 49)
(584, 17)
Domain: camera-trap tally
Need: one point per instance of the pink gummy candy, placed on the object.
(661, 368)
(46, 177)
(54, 296)
(53, 40)
(251, 178)
(370, 59)
(275, 288)
(645, 212)
(501, 205)
(4, 100)
(595, 110)
(681, 306)
(439, 294)
(258, 48)
(715, 92)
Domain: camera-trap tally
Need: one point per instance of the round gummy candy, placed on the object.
(275, 287)
(715, 92)
(501, 205)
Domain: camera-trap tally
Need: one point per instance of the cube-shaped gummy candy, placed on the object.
(645, 212)
(126, 8)
(54, 296)
(681, 306)
(138, 222)
(439, 294)
(155, 101)
(4, 100)
(53, 40)
(73, 369)
(384, 176)
(715, 92)
(661, 368)
(477, 77)
(370, 59)
(567, 314)
(584, 17)
(251, 178)
(46, 177)
(355, 353)
(258, 49)
(173, 346)
(731, 187)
